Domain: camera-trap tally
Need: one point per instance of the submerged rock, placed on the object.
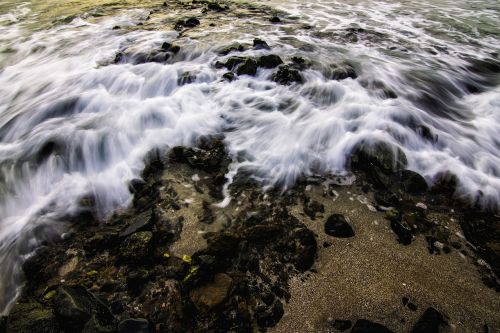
(236, 47)
(342, 72)
(287, 75)
(338, 226)
(387, 157)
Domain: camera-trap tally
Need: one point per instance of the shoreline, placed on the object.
(176, 263)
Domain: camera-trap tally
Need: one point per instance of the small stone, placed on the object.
(338, 226)
(209, 296)
(275, 19)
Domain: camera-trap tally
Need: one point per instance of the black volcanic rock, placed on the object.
(338, 226)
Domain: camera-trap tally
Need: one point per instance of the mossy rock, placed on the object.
(136, 247)
(31, 317)
(249, 67)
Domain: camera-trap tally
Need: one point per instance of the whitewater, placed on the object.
(74, 124)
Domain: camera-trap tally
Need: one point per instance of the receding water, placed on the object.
(74, 124)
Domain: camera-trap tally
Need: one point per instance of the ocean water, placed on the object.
(74, 124)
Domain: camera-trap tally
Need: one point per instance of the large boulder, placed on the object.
(387, 157)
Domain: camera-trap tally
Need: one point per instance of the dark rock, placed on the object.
(170, 47)
(342, 72)
(139, 222)
(445, 183)
(229, 76)
(387, 157)
(425, 132)
(208, 158)
(231, 63)
(31, 318)
(287, 75)
(270, 316)
(236, 47)
(413, 183)
(215, 7)
(275, 19)
(404, 233)
(192, 22)
(432, 321)
(259, 44)
(269, 61)
(116, 27)
(303, 248)
(366, 326)
(136, 280)
(136, 247)
(405, 300)
(342, 325)
(76, 309)
(136, 325)
(386, 198)
(338, 226)
(136, 185)
(211, 295)
(249, 67)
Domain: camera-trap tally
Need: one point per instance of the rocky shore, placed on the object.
(374, 251)
(326, 255)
